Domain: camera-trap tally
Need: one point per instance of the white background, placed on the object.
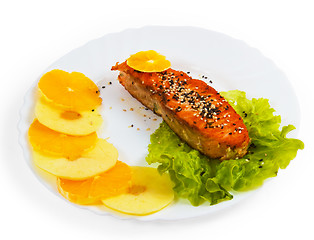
(36, 33)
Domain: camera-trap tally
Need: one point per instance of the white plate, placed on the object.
(229, 63)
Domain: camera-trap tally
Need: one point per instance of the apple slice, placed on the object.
(149, 193)
(97, 160)
(68, 122)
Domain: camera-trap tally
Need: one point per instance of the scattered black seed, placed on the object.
(260, 166)
(103, 87)
(260, 160)
(110, 83)
(253, 145)
(176, 97)
(93, 110)
(230, 133)
(178, 109)
(188, 72)
(210, 81)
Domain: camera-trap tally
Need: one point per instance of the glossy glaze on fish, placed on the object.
(196, 112)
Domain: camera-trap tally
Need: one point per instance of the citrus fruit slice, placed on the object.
(65, 121)
(149, 193)
(113, 182)
(45, 140)
(148, 61)
(72, 91)
(97, 160)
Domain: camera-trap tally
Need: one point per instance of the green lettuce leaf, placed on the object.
(198, 178)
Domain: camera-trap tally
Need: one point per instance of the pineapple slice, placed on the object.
(68, 122)
(97, 160)
(149, 193)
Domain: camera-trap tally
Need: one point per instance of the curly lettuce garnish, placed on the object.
(200, 179)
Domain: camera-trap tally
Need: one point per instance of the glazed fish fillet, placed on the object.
(196, 112)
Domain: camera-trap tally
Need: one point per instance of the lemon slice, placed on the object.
(148, 61)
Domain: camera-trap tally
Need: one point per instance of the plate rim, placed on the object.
(22, 138)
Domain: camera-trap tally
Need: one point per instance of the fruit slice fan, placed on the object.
(65, 143)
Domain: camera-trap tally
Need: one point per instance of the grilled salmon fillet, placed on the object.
(196, 112)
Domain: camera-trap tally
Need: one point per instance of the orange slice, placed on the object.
(45, 140)
(148, 61)
(72, 91)
(108, 184)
